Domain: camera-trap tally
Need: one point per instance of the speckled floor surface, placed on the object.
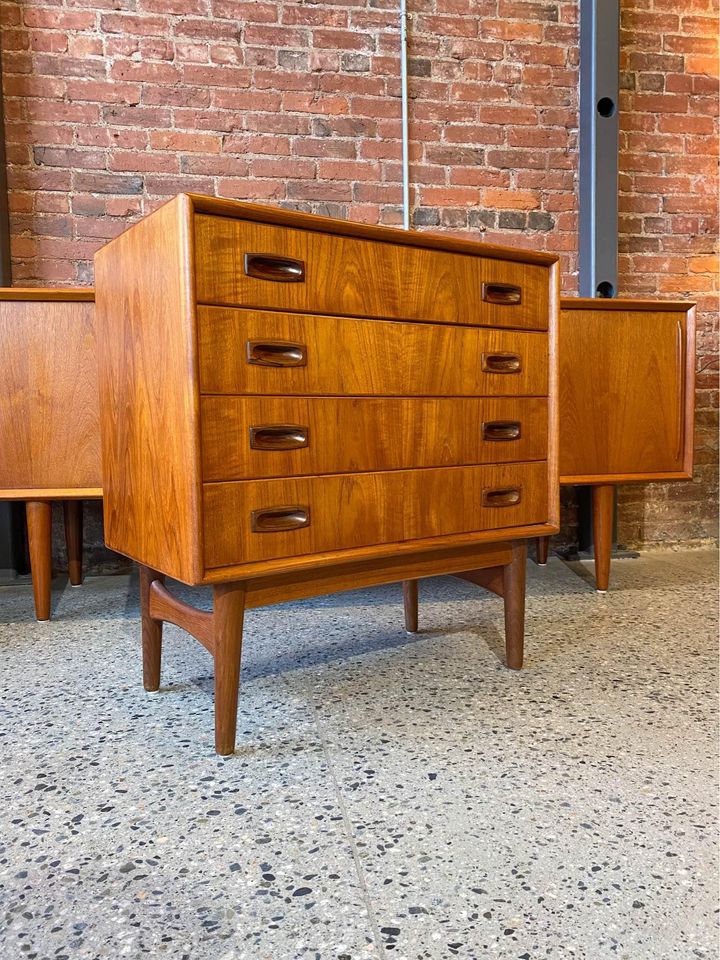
(391, 795)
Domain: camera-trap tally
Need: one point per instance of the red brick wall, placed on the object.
(114, 105)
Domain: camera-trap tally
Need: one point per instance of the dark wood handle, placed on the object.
(277, 519)
(269, 266)
(276, 353)
(506, 294)
(501, 497)
(280, 436)
(501, 363)
(501, 430)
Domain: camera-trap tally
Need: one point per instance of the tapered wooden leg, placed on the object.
(603, 505)
(514, 597)
(410, 599)
(541, 550)
(72, 512)
(39, 525)
(151, 631)
(229, 609)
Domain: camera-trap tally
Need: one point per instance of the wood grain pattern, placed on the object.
(365, 357)
(345, 575)
(262, 213)
(49, 419)
(345, 276)
(355, 510)
(148, 397)
(353, 435)
(628, 415)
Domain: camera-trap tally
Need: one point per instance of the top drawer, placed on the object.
(239, 262)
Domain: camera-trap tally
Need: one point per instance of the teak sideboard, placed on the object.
(49, 419)
(293, 405)
(626, 373)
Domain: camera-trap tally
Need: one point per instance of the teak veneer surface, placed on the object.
(351, 434)
(164, 352)
(626, 374)
(362, 509)
(49, 417)
(351, 277)
(149, 395)
(371, 357)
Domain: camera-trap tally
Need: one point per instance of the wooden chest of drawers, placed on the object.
(292, 405)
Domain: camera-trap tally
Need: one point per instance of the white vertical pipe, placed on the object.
(404, 101)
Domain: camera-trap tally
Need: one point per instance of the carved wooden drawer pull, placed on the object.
(278, 519)
(280, 436)
(501, 363)
(276, 353)
(501, 430)
(501, 497)
(505, 294)
(269, 266)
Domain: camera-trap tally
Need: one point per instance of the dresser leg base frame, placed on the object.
(542, 545)
(220, 632)
(507, 582)
(39, 527)
(73, 521)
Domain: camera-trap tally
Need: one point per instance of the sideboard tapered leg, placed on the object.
(39, 526)
(151, 631)
(514, 597)
(541, 549)
(410, 599)
(603, 505)
(73, 517)
(229, 609)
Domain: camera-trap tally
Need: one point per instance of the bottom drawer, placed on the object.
(253, 520)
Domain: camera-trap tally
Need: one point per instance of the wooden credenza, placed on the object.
(626, 373)
(292, 405)
(49, 419)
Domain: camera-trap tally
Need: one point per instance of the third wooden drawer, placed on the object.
(253, 351)
(256, 520)
(246, 437)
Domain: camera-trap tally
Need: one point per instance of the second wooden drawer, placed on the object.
(246, 437)
(253, 351)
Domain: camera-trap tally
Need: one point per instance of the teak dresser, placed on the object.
(626, 370)
(292, 405)
(49, 419)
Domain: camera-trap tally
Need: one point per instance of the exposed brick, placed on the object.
(111, 106)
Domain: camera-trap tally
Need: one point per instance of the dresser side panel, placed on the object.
(49, 421)
(148, 393)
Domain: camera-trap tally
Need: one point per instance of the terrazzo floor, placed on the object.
(391, 796)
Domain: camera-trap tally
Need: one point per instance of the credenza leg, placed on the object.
(410, 600)
(73, 516)
(603, 505)
(513, 578)
(541, 550)
(39, 526)
(151, 631)
(229, 608)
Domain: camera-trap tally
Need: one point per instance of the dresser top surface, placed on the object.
(261, 213)
(629, 305)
